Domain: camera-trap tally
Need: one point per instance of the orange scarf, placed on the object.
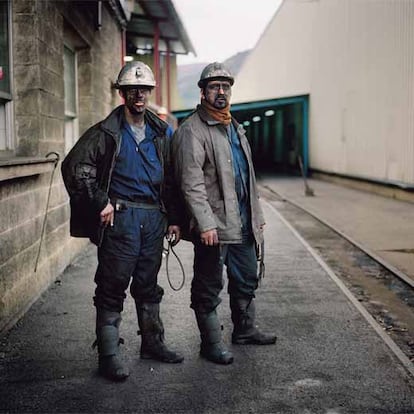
(221, 115)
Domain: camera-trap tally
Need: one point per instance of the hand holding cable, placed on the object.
(172, 241)
(173, 234)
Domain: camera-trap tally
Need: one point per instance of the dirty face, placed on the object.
(136, 98)
(218, 93)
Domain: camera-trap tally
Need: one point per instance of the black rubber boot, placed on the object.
(152, 333)
(212, 347)
(107, 339)
(243, 313)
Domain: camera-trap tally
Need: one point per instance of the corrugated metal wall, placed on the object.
(356, 60)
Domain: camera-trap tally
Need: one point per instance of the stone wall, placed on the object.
(40, 29)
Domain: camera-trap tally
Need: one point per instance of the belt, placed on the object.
(124, 204)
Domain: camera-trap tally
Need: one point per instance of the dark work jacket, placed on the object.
(87, 171)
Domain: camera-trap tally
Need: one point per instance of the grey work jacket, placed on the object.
(203, 166)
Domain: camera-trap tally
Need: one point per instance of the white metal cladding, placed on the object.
(355, 58)
(279, 65)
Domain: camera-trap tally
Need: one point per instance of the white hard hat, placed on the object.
(135, 74)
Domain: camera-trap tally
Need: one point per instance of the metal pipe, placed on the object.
(123, 46)
(168, 77)
(157, 64)
(99, 17)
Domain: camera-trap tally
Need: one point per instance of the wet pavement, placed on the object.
(329, 358)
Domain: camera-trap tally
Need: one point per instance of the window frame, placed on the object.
(71, 118)
(6, 98)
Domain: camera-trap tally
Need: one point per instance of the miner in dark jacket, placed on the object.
(120, 186)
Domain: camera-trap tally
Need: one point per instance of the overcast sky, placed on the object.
(218, 29)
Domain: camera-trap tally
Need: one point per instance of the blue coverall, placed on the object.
(133, 245)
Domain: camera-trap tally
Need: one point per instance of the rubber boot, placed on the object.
(212, 347)
(152, 333)
(243, 313)
(107, 339)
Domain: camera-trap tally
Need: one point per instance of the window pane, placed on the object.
(4, 47)
(2, 126)
(70, 82)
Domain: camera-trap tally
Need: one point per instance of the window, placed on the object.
(5, 80)
(71, 98)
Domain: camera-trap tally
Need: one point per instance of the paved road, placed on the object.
(328, 358)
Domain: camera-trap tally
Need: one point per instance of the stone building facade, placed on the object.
(58, 63)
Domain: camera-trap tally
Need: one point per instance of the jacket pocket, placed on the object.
(219, 212)
(85, 178)
(85, 172)
(217, 206)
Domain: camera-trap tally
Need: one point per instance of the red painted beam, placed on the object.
(168, 78)
(157, 64)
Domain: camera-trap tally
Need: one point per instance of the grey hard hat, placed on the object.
(135, 74)
(214, 71)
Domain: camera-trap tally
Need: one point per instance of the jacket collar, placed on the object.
(155, 123)
(113, 122)
(204, 115)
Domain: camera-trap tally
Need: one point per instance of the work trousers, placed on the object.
(207, 283)
(132, 247)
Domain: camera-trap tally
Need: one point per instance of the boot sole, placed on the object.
(168, 361)
(252, 342)
(218, 361)
(114, 378)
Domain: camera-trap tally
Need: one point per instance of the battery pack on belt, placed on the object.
(121, 205)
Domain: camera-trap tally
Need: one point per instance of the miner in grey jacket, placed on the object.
(224, 220)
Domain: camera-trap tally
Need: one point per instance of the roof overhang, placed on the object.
(120, 10)
(152, 18)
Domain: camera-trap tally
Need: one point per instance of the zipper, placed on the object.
(158, 144)
(116, 153)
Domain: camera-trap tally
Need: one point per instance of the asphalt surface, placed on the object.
(328, 358)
